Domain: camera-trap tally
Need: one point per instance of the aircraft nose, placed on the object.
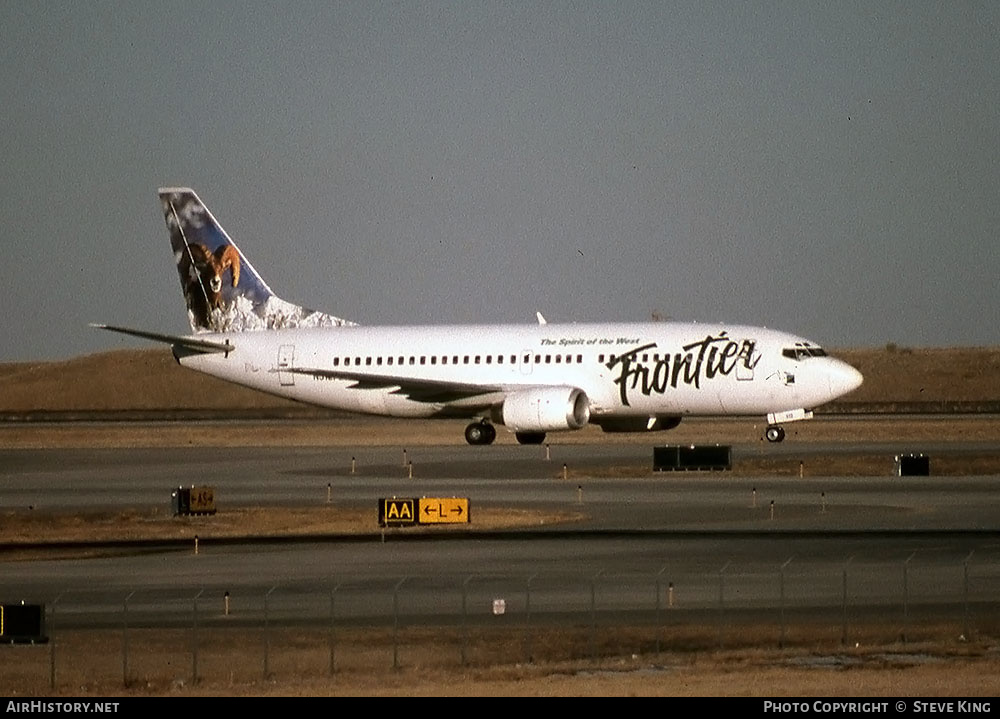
(843, 378)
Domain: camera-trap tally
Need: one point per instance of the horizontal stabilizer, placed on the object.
(191, 343)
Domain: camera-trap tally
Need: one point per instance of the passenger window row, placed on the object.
(538, 359)
(402, 360)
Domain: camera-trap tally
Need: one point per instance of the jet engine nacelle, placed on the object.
(547, 409)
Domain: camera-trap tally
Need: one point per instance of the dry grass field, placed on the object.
(231, 663)
(147, 384)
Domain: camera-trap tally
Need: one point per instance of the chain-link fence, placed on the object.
(158, 636)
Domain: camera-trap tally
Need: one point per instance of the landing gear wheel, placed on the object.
(530, 437)
(774, 433)
(480, 433)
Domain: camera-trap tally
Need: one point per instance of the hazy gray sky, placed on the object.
(827, 168)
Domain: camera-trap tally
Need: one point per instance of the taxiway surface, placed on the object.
(719, 538)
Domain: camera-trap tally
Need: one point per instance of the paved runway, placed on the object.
(715, 538)
(615, 485)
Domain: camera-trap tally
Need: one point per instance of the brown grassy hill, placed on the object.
(150, 380)
(122, 380)
(929, 375)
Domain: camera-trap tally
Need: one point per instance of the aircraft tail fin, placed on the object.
(223, 291)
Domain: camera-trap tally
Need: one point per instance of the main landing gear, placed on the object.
(480, 433)
(774, 433)
(483, 432)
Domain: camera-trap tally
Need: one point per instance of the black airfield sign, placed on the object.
(22, 623)
(410, 511)
(397, 512)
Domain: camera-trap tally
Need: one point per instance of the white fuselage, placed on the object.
(625, 370)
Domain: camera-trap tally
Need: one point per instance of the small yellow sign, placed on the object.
(202, 500)
(397, 512)
(444, 510)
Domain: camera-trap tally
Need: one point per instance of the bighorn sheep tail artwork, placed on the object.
(205, 279)
(222, 289)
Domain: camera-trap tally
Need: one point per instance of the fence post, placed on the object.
(843, 627)
(659, 622)
(465, 625)
(395, 624)
(267, 636)
(194, 638)
(333, 666)
(722, 602)
(781, 640)
(593, 615)
(125, 639)
(966, 630)
(527, 615)
(906, 596)
(52, 645)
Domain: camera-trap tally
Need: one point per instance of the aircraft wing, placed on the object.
(419, 390)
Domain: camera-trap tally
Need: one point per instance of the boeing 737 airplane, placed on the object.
(532, 379)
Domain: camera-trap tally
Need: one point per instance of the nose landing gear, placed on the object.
(775, 432)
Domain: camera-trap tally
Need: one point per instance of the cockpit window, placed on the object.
(802, 350)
